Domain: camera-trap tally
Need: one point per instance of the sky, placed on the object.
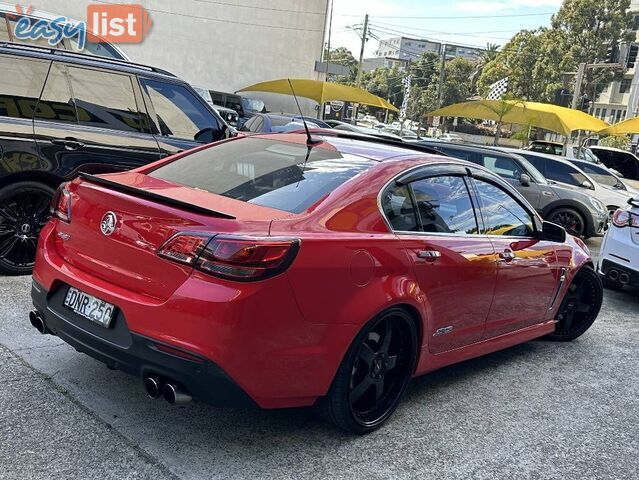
(473, 22)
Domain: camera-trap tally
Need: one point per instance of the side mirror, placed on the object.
(553, 232)
(206, 135)
(524, 179)
(587, 184)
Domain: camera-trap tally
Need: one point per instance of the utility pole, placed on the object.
(633, 100)
(327, 59)
(361, 62)
(578, 81)
(442, 69)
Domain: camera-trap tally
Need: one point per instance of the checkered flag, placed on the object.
(406, 82)
(498, 89)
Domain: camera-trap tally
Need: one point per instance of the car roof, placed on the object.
(547, 142)
(78, 58)
(612, 149)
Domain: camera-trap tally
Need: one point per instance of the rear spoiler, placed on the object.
(136, 192)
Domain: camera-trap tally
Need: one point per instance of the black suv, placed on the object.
(62, 113)
(579, 213)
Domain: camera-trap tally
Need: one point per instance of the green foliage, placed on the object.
(621, 141)
(344, 57)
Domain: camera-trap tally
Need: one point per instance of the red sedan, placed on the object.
(278, 272)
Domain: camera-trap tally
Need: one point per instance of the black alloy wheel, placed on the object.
(374, 374)
(570, 219)
(580, 306)
(24, 210)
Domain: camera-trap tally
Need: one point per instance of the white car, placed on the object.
(451, 137)
(618, 262)
(566, 173)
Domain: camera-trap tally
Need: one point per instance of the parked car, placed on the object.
(246, 107)
(622, 161)
(9, 18)
(618, 261)
(568, 174)
(605, 176)
(230, 116)
(578, 212)
(556, 148)
(337, 125)
(451, 137)
(279, 123)
(62, 113)
(199, 274)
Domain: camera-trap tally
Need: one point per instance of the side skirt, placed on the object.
(429, 361)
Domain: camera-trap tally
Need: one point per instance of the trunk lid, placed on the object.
(147, 212)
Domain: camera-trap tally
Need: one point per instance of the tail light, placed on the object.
(624, 218)
(61, 204)
(232, 257)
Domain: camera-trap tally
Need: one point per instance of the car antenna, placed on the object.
(310, 141)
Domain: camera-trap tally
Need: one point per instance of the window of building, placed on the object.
(624, 86)
(635, 22)
(105, 99)
(597, 112)
(612, 115)
(604, 111)
(618, 116)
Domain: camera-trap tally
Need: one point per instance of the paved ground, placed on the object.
(539, 410)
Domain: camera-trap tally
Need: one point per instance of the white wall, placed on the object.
(225, 44)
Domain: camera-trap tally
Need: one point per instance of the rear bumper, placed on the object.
(140, 356)
(608, 265)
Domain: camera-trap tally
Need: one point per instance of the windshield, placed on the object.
(600, 174)
(282, 175)
(587, 154)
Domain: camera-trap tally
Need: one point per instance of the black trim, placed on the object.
(153, 196)
(429, 171)
(607, 265)
(140, 356)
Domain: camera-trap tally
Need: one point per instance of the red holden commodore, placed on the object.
(286, 271)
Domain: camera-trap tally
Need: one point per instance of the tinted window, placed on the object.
(538, 162)
(180, 113)
(274, 174)
(560, 172)
(105, 100)
(599, 174)
(462, 154)
(502, 214)
(56, 102)
(623, 162)
(444, 205)
(21, 82)
(399, 209)
(503, 166)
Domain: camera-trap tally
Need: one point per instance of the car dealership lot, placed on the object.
(540, 410)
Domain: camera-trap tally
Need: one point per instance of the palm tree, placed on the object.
(486, 56)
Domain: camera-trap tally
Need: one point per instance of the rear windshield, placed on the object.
(281, 175)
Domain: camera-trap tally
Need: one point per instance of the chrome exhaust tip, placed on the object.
(153, 386)
(624, 278)
(175, 395)
(613, 274)
(37, 322)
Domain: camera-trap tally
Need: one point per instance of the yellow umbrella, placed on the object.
(321, 92)
(622, 128)
(551, 117)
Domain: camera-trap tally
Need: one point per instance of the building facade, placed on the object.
(409, 49)
(224, 45)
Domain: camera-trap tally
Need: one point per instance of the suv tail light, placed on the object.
(232, 257)
(624, 218)
(61, 204)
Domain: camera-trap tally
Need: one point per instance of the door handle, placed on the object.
(68, 143)
(429, 255)
(507, 255)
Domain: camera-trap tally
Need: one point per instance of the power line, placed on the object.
(458, 17)
(392, 31)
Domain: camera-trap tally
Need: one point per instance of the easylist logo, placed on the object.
(118, 23)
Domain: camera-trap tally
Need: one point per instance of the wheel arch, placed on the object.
(45, 178)
(575, 205)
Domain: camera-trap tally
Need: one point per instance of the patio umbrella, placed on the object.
(544, 115)
(321, 92)
(622, 128)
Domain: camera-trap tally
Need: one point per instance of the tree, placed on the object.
(590, 27)
(486, 56)
(457, 84)
(343, 56)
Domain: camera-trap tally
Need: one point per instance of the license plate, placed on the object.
(90, 307)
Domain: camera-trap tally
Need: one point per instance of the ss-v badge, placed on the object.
(64, 236)
(443, 331)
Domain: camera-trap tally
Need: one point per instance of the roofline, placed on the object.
(69, 55)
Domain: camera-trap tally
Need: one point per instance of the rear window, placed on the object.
(274, 174)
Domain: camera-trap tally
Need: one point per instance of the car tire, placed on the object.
(24, 210)
(579, 307)
(353, 403)
(569, 218)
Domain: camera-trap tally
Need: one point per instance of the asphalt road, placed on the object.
(538, 410)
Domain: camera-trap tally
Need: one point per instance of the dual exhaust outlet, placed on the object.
(617, 276)
(155, 387)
